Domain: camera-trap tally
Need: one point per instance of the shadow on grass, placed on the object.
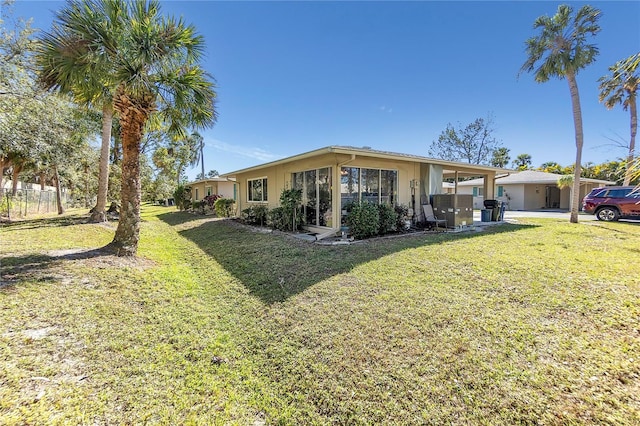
(15, 270)
(58, 221)
(276, 266)
(180, 217)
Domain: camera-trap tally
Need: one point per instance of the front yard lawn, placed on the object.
(535, 323)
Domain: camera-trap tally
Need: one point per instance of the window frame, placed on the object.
(264, 192)
(379, 185)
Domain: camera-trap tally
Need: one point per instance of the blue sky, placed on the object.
(297, 76)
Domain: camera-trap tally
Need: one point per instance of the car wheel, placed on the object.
(607, 214)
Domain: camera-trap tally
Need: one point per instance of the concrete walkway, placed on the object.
(550, 214)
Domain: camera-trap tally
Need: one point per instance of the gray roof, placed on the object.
(368, 152)
(529, 176)
(213, 179)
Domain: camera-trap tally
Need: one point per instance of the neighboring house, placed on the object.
(448, 188)
(333, 177)
(8, 185)
(212, 186)
(528, 190)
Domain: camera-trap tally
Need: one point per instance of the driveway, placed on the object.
(552, 214)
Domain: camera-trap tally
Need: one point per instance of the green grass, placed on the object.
(536, 322)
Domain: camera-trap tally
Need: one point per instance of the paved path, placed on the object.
(552, 214)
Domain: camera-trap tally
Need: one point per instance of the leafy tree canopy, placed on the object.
(473, 143)
(500, 157)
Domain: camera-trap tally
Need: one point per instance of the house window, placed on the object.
(349, 185)
(500, 190)
(257, 190)
(207, 190)
(478, 191)
(197, 194)
(375, 186)
(388, 186)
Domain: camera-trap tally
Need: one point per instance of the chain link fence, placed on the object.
(29, 201)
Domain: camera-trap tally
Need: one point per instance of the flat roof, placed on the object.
(368, 152)
(530, 176)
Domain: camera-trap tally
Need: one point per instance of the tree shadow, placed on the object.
(181, 217)
(275, 266)
(58, 221)
(15, 270)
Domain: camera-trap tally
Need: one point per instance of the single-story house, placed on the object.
(334, 176)
(212, 186)
(528, 190)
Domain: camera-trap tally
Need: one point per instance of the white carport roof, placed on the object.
(529, 176)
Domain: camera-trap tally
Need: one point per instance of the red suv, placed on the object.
(613, 202)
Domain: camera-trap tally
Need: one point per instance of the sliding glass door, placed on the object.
(316, 195)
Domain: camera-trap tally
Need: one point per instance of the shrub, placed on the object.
(363, 220)
(210, 200)
(224, 206)
(197, 205)
(6, 205)
(388, 219)
(182, 197)
(290, 200)
(277, 219)
(255, 215)
(403, 214)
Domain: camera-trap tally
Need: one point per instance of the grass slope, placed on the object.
(219, 324)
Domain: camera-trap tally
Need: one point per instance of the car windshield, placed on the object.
(597, 192)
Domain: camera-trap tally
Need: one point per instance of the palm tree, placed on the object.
(154, 69)
(620, 88)
(561, 50)
(77, 57)
(500, 157)
(522, 162)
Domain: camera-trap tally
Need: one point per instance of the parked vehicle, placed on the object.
(613, 202)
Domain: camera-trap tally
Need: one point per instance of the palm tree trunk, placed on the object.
(577, 122)
(56, 176)
(202, 156)
(133, 116)
(632, 142)
(98, 214)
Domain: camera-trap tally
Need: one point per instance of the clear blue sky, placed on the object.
(296, 76)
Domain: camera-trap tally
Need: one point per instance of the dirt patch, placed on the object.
(100, 258)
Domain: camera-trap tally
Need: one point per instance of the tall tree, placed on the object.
(561, 50)
(198, 142)
(522, 162)
(17, 89)
(155, 66)
(621, 87)
(473, 143)
(77, 57)
(500, 157)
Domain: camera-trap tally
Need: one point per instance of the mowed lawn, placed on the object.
(536, 322)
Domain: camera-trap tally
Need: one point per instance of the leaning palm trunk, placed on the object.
(577, 122)
(133, 116)
(98, 214)
(628, 176)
